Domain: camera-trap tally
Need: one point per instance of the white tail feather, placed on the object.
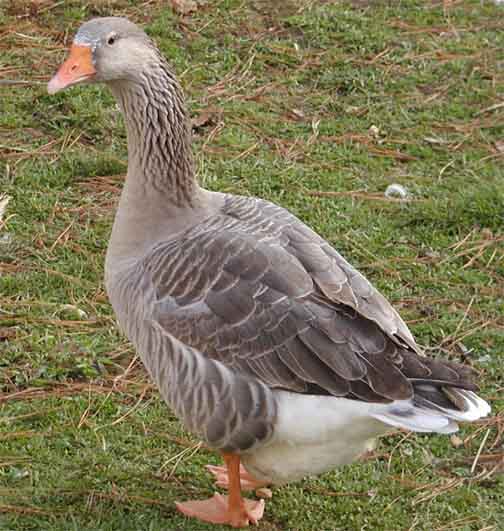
(405, 414)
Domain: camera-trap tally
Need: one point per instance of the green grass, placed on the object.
(317, 96)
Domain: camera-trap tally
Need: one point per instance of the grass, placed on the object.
(288, 100)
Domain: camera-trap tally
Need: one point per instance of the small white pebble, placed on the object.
(77, 312)
(6, 239)
(396, 190)
(374, 131)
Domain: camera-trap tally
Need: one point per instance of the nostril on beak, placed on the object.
(74, 67)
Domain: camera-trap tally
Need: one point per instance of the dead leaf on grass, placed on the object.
(456, 441)
(184, 7)
(205, 118)
(296, 114)
(6, 333)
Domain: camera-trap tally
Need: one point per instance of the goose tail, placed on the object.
(434, 409)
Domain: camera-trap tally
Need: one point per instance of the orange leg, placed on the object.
(233, 509)
(248, 482)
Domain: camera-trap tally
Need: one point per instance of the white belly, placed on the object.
(314, 434)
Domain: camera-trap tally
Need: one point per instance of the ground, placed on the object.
(318, 106)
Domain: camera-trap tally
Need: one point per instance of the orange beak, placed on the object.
(77, 68)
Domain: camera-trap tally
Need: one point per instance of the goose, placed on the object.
(260, 336)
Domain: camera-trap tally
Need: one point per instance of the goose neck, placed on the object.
(159, 138)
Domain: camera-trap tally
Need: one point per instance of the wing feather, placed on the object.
(257, 290)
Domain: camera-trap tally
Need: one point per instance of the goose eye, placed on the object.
(111, 40)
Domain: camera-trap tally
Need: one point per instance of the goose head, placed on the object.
(105, 50)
